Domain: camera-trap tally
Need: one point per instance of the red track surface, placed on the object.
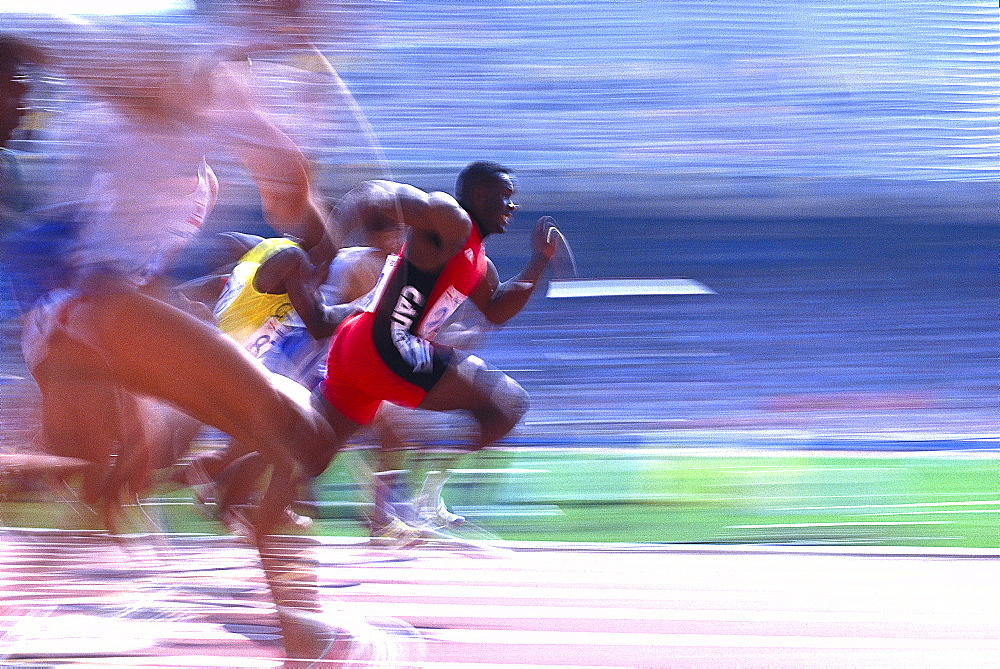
(84, 599)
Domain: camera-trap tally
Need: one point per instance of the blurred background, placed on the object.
(828, 169)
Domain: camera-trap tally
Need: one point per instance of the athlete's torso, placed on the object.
(150, 192)
(254, 319)
(410, 305)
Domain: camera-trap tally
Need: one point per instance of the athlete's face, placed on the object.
(494, 205)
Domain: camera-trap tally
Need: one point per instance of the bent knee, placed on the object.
(512, 400)
(504, 394)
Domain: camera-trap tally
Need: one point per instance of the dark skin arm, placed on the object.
(500, 302)
(438, 227)
(290, 271)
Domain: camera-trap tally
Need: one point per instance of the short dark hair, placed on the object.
(476, 174)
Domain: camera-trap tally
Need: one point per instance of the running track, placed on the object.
(82, 599)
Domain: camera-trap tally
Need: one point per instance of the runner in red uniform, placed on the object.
(388, 352)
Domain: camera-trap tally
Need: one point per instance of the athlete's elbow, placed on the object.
(329, 319)
(316, 327)
(502, 311)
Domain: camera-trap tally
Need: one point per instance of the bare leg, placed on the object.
(157, 350)
(86, 416)
(390, 490)
(137, 344)
(495, 401)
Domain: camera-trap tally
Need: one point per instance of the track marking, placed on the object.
(842, 524)
(890, 506)
(501, 610)
(638, 639)
(615, 287)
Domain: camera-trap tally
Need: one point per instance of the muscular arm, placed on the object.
(353, 274)
(500, 302)
(320, 319)
(276, 164)
(438, 226)
(289, 271)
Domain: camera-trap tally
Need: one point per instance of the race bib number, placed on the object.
(261, 341)
(440, 312)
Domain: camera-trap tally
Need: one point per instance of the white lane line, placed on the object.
(842, 524)
(500, 611)
(891, 506)
(638, 639)
(491, 665)
(568, 595)
(615, 287)
(776, 498)
(510, 470)
(178, 661)
(78, 634)
(486, 665)
(960, 512)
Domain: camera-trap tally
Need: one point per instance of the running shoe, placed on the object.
(438, 516)
(397, 534)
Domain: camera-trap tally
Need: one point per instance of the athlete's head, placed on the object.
(486, 190)
(13, 86)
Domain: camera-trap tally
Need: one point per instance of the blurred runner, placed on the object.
(22, 467)
(115, 346)
(30, 238)
(254, 309)
(13, 89)
(111, 337)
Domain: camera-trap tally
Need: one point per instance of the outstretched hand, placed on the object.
(545, 237)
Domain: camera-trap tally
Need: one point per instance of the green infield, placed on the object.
(703, 496)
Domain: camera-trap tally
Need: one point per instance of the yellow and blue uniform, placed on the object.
(255, 319)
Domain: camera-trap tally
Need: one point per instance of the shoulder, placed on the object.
(267, 248)
(447, 218)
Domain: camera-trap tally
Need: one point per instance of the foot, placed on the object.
(431, 509)
(438, 515)
(238, 519)
(309, 641)
(396, 534)
(296, 521)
